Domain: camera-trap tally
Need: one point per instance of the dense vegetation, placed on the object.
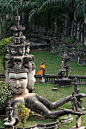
(40, 12)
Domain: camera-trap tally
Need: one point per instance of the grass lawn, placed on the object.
(45, 90)
(53, 65)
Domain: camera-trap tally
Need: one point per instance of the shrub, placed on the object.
(5, 92)
(81, 45)
(3, 49)
(23, 113)
(70, 40)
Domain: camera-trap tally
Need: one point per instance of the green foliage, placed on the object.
(70, 40)
(3, 49)
(23, 113)
(5, 92)
(59, 49)
(80, 46)
(3, 45)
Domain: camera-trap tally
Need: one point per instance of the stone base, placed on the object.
(54, 89)
(9, 124)
(68, 119)
(63, 82)
(83, 127)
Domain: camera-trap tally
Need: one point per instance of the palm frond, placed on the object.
(32, 14)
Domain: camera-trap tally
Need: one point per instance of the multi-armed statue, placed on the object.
(18, 60)
(20, 70)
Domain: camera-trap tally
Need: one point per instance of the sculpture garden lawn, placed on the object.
(53, 65)
(45, 90)
(52, 62)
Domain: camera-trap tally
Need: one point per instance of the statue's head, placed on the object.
(18, 82)
(21, 79)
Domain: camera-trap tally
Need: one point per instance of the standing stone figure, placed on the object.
(74, 102)
(9, 111)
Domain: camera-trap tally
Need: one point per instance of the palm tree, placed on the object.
(4, 8)
(80, 9)
(8, 9)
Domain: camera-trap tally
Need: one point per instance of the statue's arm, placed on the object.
(35, 105)
(57, 103)
(53, 105)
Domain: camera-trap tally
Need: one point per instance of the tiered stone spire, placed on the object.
(18, 60)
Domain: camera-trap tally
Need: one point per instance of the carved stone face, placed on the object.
(20, 33)
(23, 38)
(18, 82)
(17, 40)
(8, 61)
(21, 50)
(27, 49)
(28, 62)
(17, 62)
(13, 51)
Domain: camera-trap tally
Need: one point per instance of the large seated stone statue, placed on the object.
(19, 82)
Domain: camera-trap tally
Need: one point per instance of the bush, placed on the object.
(70, 40)
(5, 92)
(3, 45)
(3, 49)
(81, 45)
(23, 113)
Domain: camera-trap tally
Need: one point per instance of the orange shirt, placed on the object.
(42, 66)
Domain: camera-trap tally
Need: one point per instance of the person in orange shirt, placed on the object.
(42, 70)
(42, 67)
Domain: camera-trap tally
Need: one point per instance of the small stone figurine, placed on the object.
(9, 111)
(74, 102)
(76, 90)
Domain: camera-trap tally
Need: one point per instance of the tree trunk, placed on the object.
(1, 27)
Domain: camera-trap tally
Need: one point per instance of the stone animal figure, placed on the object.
(34, 102)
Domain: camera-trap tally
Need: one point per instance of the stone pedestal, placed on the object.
(67, 120)
(78, 123)
(54, 89)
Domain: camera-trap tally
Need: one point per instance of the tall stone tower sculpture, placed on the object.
(18, 60)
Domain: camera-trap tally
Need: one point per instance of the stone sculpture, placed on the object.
(20, 76)
(18, 58)
(74, 102)
(9, 111)
(18, 82)
(62, 77)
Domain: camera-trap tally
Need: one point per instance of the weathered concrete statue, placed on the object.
(18, 83)
(20, 70)
(74, 102)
